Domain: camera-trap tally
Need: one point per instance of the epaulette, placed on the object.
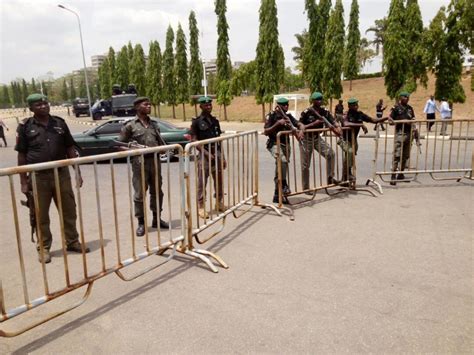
(59, 118)
(25, 120)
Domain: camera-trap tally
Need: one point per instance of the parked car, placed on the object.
(80, 107)
(100, 139)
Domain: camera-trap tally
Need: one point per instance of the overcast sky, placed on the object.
(37, 36)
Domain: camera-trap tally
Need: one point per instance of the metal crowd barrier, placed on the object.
(445, 147)
(316, 156)
(104, 211)
(232, 167)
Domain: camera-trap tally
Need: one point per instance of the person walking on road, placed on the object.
(3, 126)
(43, 138)
(430, 111)
(445, 112)
(211, 160)
(144, 131)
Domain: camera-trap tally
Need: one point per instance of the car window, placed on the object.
(110, 128)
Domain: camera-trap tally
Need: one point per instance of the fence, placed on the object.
(443, 147)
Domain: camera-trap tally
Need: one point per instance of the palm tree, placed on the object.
(299, 49)
(379, 34)
(365, 53)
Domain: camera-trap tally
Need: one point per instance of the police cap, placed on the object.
(352, 101)
(404, 94)
(316, 96)
(204, 100)
(31, 99)
(139, 100)
(282, 101)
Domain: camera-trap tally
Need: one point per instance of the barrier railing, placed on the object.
(444, 147)
(100, 207)
(319, 161)
(232, 163)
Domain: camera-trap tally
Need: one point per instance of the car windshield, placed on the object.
(121, 101)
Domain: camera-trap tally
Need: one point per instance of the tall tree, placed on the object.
(104, 79)
(324, 9)
(6, 96)
(153, 75)
(334, 54)
(449, 67)
(195, 64)
(433, 39)
(122, 68)
(112, 67)
(351, 63)
(130, 51)
(182, 89)
(137, 69)
(414, 35)
(72, 89)
(395, 50)
(309, 50)
(224, 66)
(268, 59)
(64, 94)
(364, 53)
(82, 89)
(45, 87)
(24, 91)
(169, 84)
(34, 88)
(379, 29)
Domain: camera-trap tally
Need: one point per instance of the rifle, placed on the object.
(341, 142)
(30, 204)
(290, 125)
(128, 145)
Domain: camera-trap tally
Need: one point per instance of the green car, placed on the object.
(100, 139)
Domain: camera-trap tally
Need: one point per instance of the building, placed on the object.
(211, 67)
(97, 60)
(49, 76)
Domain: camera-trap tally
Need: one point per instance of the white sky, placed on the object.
(37, 36)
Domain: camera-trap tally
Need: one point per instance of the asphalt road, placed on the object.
(352, 273)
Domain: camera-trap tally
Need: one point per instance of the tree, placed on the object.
(112, 67)
(6, 97)
(379, 29)
(64, 95)
(364, 53)
(169, 84)
(309, 48)
(130, 51)
(82, 89)
(351, 63)
(72, 89)
(195, 64)
(224, 66)
(298, 50)
(244, 79)
(33, 86)
(104, 79)
(182, 89)
(122, 69)
(395, 50)
(324, 8)
(268, 60)
(433, 39)
(153, 75)
(45, 88)
(137, 69)
(414, 34)
(24, 91)
(334, 53)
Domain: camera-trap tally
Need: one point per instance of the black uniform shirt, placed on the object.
(206, 127)
(400, 112)
(339, 109)
(43, 143)
(271, 119)
(308, 116)
(355, 117)
(378, 110)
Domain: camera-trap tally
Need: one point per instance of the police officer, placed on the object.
(311, 120)
(143, 130)
(2, 132)
(276, 122)
(403, 135)
(116, 90)
(42, 138)
(379, 109)
(354, 119)
(206, 126)
(339, 111)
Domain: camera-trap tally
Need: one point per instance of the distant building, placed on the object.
(237, 65)
(97, 60)
(211, 66)
(49, 76)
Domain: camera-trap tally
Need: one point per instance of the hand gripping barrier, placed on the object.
(101, 204)
(232, 162)
(415, 147)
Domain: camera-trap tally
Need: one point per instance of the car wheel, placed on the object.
(78, 151)
(97, 116)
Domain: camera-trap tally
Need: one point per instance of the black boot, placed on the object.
(285, 188)
(154, 223)
(393, 180)
(141, 227)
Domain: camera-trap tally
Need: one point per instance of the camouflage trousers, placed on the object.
(402, 150)
(152, 178)
(285, 153)
(311, 143)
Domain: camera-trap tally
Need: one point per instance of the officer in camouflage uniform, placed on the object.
(403, 135)
(274, 123)
(143, 130)
(314, 141)
(206, 126)
(43, 138)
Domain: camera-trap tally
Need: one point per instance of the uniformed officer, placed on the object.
(309, 118)
(206, 126)
(403, 135)
(339, 111)
(145, 131)
(354, 119)
(2, 132)
(379, 109)
(274, 123)
(44, 138)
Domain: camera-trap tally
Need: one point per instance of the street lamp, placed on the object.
(83, 57)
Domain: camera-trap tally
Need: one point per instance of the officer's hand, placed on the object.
(364, 128)
(80, 181)
(339, 131)
(300, 135)
(281, 122)
(24, 188)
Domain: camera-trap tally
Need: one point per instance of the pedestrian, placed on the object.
(445, 113)
(339, 111)
(404, 134)
(43, 138)
(276, 121)
(379, 109)
(312, 118)
(211, 159)
(354, 119)
(145, 131)
(430, 111)
(2, 132)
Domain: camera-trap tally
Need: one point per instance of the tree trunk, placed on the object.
(195, 109)
(184, 113)
(350, 85)
(330, 104)
(225, 112)
(263, 112)
(159, 112)
(174, 112)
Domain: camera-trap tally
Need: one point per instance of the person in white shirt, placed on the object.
(445, 112)
(430, 110)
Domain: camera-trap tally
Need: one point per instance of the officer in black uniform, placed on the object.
(404, 134)
(339, 111)
(274, 123)
(40, 139)
(143, 130)
(206, 126)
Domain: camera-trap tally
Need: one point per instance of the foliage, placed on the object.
(122, 68)
(137, 69)
(351, 62)
(379, 29)
(153, 74)
(112, 67)
(195, 64)
(244, 79)
(182, 90)
(364, 54)
(224, 67)
(104, 79)
(64, 94)
(72, 89)
(169, 83)
(309, 43)
(433, 39)
(82, 88)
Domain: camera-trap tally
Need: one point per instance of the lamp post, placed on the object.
(83, 57)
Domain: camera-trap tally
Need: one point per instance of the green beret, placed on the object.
(36, 98)
(404, 94)
(316, 96)
(204, 100)
(282, 101)
(139, 100)
(352, 101)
